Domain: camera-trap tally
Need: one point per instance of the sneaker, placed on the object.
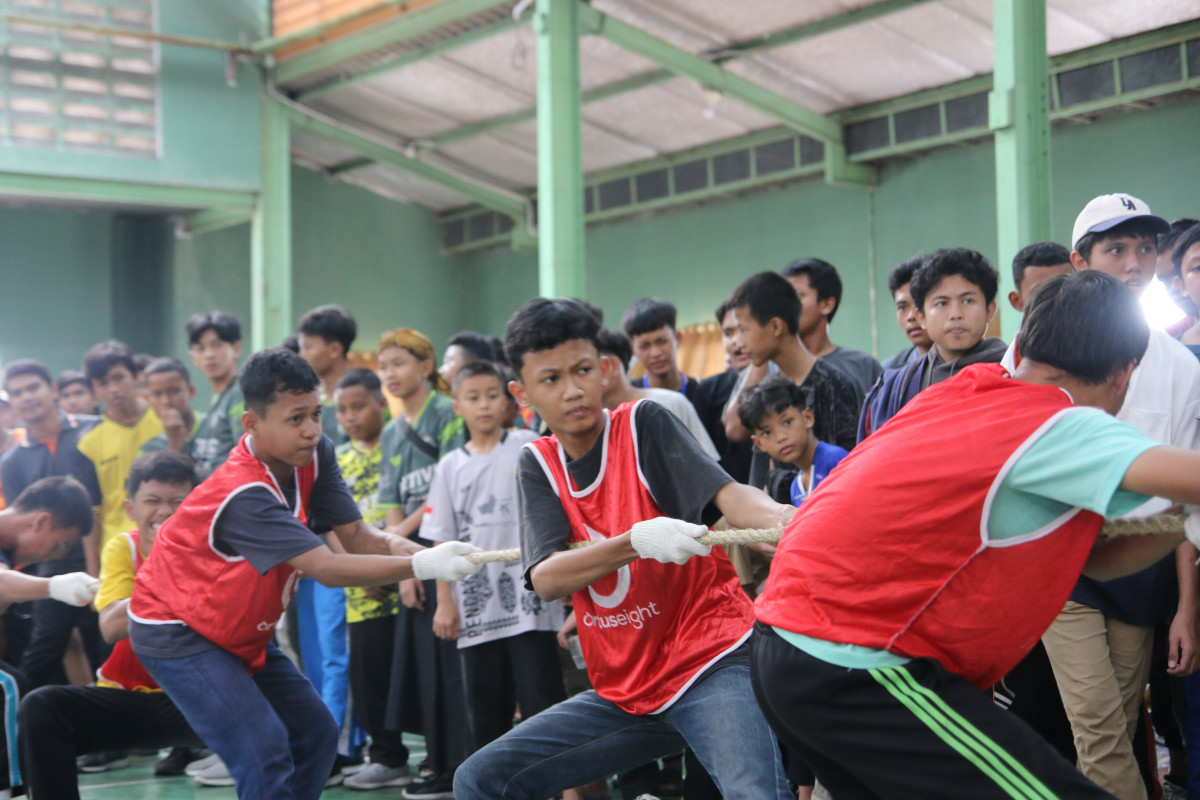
(103, 762)
(215, 775)
(201, 764)
(439, 787)
(175, 762)
(377, 776)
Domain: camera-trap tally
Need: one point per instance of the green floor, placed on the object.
(137, 782)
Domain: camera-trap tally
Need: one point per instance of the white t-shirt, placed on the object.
(473, 498)
(681, 407)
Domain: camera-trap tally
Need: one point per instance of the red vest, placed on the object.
(222, 598)
(122, 667)
(891, 552)
(647, 630)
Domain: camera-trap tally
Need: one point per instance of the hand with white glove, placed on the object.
(671, 541)
(74, 588)
(1191, 524)
(445, 562)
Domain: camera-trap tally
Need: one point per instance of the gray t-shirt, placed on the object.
(861, 369)
(219, 431)
(473, 498)
(681, 478)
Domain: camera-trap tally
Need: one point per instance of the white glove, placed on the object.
(444, 562)
(671, 541)
(1191, 525)
(74, 588)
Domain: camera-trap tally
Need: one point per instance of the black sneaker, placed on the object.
(437, 787)
(175, 762)
(102, 762)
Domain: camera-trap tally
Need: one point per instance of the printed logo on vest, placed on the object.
(624, 576)
(635, 617)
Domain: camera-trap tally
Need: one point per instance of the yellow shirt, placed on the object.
(112, 447)
(118, 563)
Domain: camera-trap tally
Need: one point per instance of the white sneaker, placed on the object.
(216, 775)
(377, 776)
(198, 766)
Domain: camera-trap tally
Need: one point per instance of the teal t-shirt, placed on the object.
(219, 431)
(1079, 462)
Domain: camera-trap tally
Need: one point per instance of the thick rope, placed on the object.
(1165, 524)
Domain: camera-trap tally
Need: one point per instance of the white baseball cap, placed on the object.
(1110, 210)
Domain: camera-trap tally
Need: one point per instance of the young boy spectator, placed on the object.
(882, 621)
(1032, 266)
(426, 688)
(215, 343)
(713, 393)
(326, 334)
(1165, 271)
(907, 314)
(10, 434)
(1099, 645)
(207, 600)
(125, 709)
(75, 393)
(506, 635)
(618, 390)
(955, 290)
(778, 412)
(169, 391)
(661, 631)
(650, 325)
(768, 316)
(370, 612)
(463, 348)
(820, 289)
(1186, 260)
(50, 448)
(128, 423)
(44, 521)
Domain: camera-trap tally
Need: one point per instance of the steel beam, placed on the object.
(561, 270)
(212, 219)
(271, 233)
(16, 184)
(405, 27)
(1018, 113)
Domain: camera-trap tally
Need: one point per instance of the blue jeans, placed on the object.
(586, 738)
(271, 729)
(325, 651)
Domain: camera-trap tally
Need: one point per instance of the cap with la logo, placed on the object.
(1110, 210)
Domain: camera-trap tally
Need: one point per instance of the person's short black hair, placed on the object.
(1183, 243)
(475, 346)
(69, 377)
(27, 366)
(593, 309)
(497, 345)
(1085, 323)
(1039, 254)
(774, 394)
(271, 372)
(614, 343)
(291, 342)
(167, 364)
(474, 368)
(767, 295)
(822, 277)
(1138, 227)
(543, 324)
(903, 272)
(141, 361)
(361, 376)
(162, 466)
(65, 499)
(970, 264)
(647, 315)
(1166, 241)
(722, 310)
(332, 323)
(106, 355)
(224, 325)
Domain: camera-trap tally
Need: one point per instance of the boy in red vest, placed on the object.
(663, 633)
(223, 568)
(986, 494)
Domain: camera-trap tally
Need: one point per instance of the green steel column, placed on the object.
(1018, 112)
(271, 233)
(560, 160)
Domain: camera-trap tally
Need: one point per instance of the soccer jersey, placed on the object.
(824, 460)
(220, 429)
(360, 469)
(410, 452)
(473, 498)
(112, 447)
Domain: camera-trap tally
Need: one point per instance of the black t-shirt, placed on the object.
(712, 395)
(683, 482)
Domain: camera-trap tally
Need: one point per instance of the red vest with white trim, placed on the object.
(221, 597)
(892, 551)
(647, 630)
(123, 668)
